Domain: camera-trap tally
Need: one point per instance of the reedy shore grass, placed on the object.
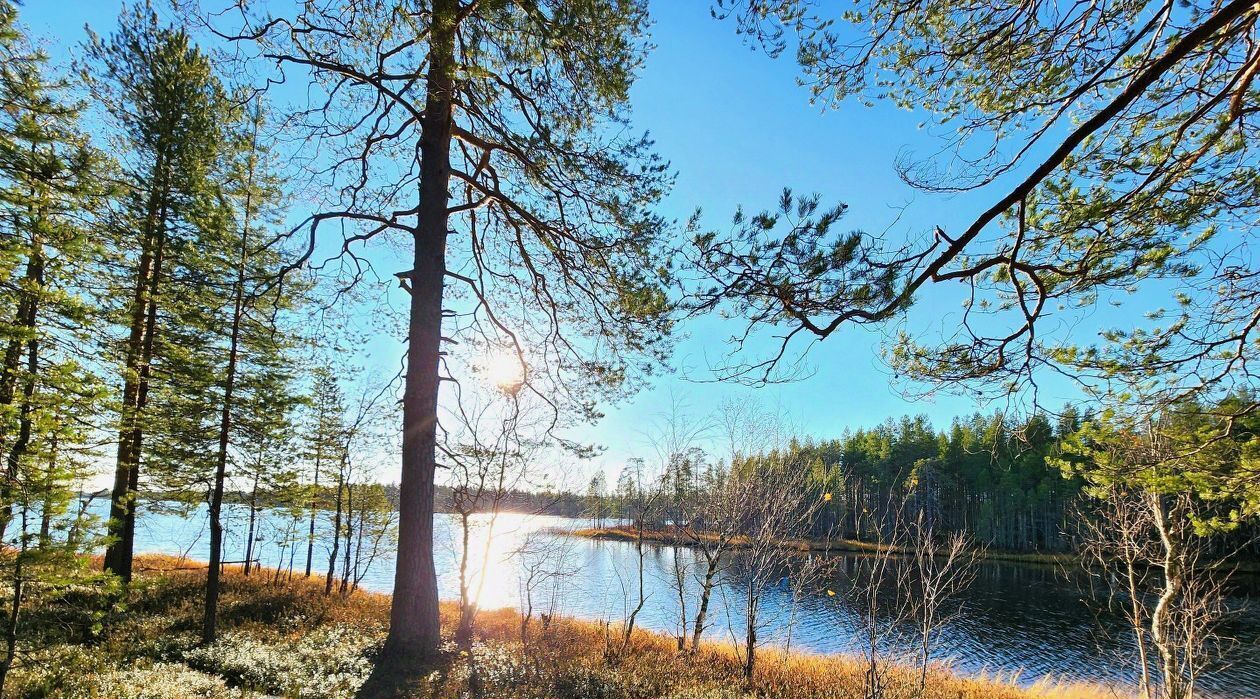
(287, 639)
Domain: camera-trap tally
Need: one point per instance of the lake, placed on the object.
(1029, 621)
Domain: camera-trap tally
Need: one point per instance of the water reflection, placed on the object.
(1034, 621)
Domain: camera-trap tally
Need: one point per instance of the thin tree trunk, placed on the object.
(465, 595)
(36, 274)
(1161, 621)
(345, 562)
(706, 591)
(629, 630)
(750, 637)
(292, 552)
(358, 552)
(680, 579)
(336, 532)
(24, 417)
(414, 632)
(310, 534)
(15, 609)
(208, 626)
(1139, 635)
(253, 515)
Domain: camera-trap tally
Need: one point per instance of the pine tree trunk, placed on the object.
(253, 514)
(122, 507)
(209, 623)
(414, 622)
(336, 532)
(310, 534)
(28, 309)
(15, 611)
(45, 512)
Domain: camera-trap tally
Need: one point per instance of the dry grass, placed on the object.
(569, 659)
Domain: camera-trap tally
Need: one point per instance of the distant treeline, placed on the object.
(554, 503)
(983, 475)
(998, 480)
(995, 479)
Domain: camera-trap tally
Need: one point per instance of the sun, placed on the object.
(505, 370)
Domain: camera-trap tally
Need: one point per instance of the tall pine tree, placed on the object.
(491, 137)
(166, 104)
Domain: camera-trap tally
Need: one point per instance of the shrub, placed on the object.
(331, 661)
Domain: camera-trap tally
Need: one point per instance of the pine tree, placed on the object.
(505, 125)
(166, 104)
(49, 400)
(47, 191)
(325, 407)
(254, 381)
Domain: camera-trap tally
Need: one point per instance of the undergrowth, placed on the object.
(287, 639)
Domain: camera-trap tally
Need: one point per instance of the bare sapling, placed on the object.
(879, 591)
(647, 501)
(777, 506)
(675, 437)
(489, 453)
(942, 567)
(546, 570)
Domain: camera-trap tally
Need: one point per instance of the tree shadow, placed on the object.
(405, 678)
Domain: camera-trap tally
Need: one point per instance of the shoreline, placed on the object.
(570, 655)
(675, 538)
(1248, 569)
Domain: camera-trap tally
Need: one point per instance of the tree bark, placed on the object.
(45, 514)
(1161, 615)
(310, 534)
(15, 610)
(122, 507)
(253, 515)
(208, 627)
(349, 529)
(750, 639)
(336, 530)
(706, 591)
(414, 632)
(462, 635)
(28, 309)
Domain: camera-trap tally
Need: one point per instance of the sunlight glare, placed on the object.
(504, 370)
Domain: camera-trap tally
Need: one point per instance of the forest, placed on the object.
(1010, 487)
(335, 333)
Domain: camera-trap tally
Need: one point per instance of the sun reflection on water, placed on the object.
(507, 533)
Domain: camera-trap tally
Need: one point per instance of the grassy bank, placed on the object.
(289, 640)
(675, 537)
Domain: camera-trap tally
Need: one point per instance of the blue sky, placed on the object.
(737, 128)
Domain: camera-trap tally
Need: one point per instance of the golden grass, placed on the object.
(568, 658)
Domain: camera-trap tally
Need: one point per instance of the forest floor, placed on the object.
(832, 545)
(287, 639)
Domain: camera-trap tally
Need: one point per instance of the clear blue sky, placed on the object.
(737, 129)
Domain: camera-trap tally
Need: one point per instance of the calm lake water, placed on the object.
(1028, 621)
